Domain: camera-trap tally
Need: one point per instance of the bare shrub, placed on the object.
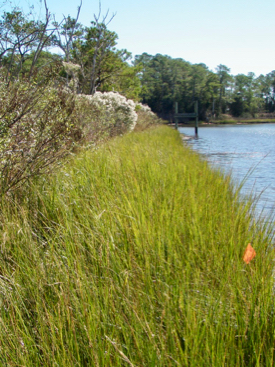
(36, 126)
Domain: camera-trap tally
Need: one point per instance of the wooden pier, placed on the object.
(194, 115)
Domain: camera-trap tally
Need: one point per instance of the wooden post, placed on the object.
(176, 112)
(197, 118)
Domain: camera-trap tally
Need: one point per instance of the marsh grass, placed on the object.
(131, 255)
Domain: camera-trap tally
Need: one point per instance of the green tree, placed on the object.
(225, 79)
(124, 80)
(209, 95)
(163, 80)
(246, 99)
(267, 90)
(22, 39)
(166, 80)
(100, 62)
(67, 32)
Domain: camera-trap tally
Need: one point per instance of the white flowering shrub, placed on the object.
(120, 109)
(145, 109)
(72, 71)
(42, 119)
(146, 117)
(106, 114)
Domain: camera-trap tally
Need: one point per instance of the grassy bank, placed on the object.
(131, 255)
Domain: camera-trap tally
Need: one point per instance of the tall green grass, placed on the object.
(131, 255)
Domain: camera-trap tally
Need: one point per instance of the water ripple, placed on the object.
(246, 151)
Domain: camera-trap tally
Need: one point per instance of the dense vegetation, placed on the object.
(91, 62)
(131, 255)
(165, 80)
(49, 105)
(90, 59)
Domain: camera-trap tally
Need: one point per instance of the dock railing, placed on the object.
(194, 115)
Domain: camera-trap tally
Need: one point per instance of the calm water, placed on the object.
(242, 149)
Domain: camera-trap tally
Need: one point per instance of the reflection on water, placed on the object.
(242, 150)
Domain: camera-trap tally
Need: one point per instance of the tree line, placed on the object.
(90, 61)
(165, 80)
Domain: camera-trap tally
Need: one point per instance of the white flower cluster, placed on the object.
(144, 108)
(71, 68)
(117, 110)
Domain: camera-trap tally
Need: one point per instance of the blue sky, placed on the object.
(238, 33)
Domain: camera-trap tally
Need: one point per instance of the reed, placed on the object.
(131, 255)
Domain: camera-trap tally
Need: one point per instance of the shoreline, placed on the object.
(239, 122)
(225, 122)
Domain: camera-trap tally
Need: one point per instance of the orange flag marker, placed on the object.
(249, 254)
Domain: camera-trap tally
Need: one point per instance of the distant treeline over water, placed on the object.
(166, 80)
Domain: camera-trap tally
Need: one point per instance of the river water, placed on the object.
(245, 151)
